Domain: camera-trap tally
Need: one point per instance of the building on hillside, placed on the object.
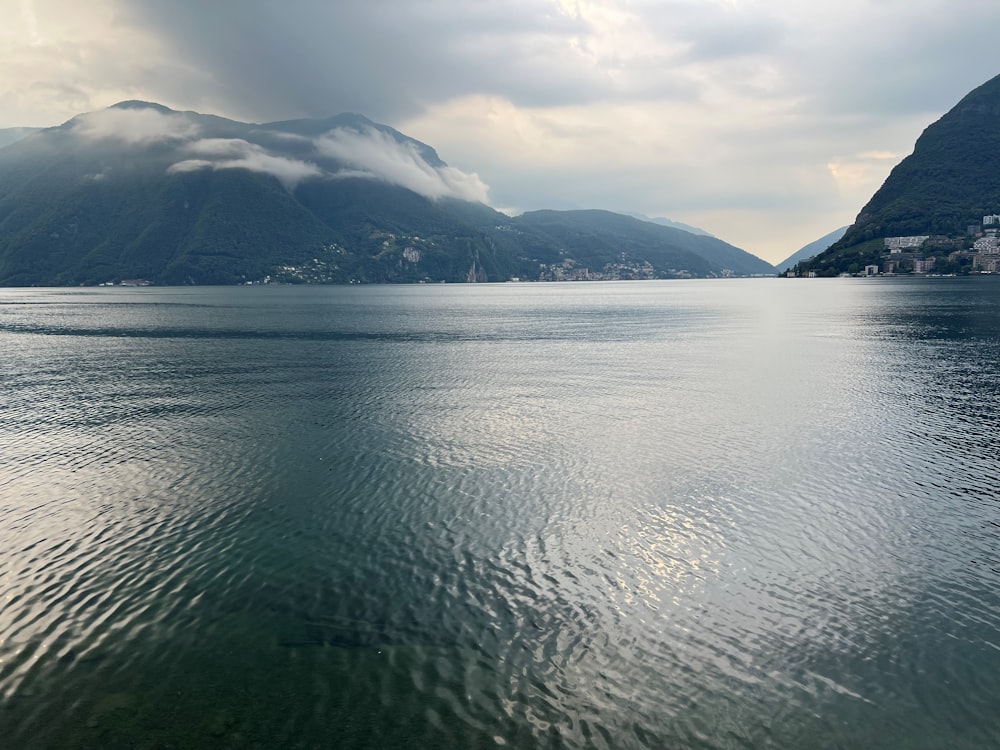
(989, 245)
(871, 270)
(943, 242)
(985, 263)
(898, 244)
(923, 266)
(994, 219)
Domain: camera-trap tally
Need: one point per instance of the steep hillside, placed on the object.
(951, 180)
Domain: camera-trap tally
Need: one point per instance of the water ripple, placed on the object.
(618, 516)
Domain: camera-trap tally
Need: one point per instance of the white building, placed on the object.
(898, 244)
(989, 245)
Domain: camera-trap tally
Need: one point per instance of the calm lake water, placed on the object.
(699, 514)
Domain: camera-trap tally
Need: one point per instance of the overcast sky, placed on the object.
(766, 122)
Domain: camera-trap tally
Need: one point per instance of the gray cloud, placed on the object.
(386, 59)
(391, 59)
(893, 58)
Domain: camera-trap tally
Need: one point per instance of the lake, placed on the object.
(690, 514)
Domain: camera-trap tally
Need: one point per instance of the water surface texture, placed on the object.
(705, 514)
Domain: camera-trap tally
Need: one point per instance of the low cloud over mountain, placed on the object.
(236, 153)
(358, 152)
(375, 154)
(135, 125)
(140, 191)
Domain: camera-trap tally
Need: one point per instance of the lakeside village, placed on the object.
(976, 252)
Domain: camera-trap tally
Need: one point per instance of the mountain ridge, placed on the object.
(139, 190)
(663, 221)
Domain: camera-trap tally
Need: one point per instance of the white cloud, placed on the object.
(370, 154)
(30, 22)
(376, 154)
(863, 172)
(227, 148)
(235, 153)
(135, 126)
(281, 136)
(59, 58)
(189, 165)
(98, 176)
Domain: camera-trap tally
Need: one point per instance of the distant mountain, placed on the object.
(10, 135)
(610, 238)
(670, 223)
(811, 250)
(140, 191)
(951, 180)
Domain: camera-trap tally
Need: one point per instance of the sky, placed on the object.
(768, 123)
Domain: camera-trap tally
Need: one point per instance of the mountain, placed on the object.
(609, 238)
(140, 191)
(10, 135)
(951, 180)
(811, 250)
(670, 223)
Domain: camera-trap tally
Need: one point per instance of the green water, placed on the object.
(706, 514)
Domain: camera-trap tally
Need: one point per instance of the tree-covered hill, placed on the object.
(951, 180)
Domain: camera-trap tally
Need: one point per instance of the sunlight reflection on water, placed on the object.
(698, 514)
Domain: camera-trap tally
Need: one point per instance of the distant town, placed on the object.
(977, 251)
